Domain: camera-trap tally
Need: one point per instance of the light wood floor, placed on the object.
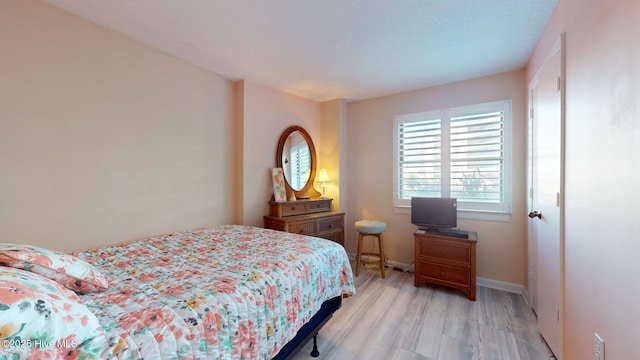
(393, 320)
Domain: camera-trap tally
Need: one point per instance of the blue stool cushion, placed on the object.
(371, 227)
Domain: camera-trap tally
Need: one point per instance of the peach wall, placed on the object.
(602, 173)
(332, 153)
(105, 140)
(501, 249)
(266, 114)
(102, 139)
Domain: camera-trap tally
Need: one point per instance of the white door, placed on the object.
(545, 202)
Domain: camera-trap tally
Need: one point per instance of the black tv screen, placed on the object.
(434, 213)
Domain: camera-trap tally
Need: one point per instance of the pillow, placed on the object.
(35, 310)
(66, 269)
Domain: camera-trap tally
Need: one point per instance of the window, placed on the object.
(462, 152)
(300, 165)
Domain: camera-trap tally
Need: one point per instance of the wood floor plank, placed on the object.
(408, 355)
(433, 325)
(455, 348)
(462, 318)
(419, 307)
(497, 344)
(392, 319)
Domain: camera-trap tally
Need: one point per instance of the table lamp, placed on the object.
(323, 178)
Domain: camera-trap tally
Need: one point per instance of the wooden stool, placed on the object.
(371, 228)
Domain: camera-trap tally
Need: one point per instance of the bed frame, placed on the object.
(309, 330)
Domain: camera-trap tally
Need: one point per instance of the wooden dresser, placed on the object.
(307, 217)
(446, 260)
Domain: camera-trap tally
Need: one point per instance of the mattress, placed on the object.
(227, 292)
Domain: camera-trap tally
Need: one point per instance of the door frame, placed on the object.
(558, 47)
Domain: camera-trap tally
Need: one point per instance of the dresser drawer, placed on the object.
(275, 224)
(331, 223)
(320, 205)
(446, 260)
(337, 237)
(299, 207)
(303, 228)
(450, 274)
(446, 251)
(293, 208)
(328, 225)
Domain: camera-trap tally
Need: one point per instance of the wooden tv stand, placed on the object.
(446, 260)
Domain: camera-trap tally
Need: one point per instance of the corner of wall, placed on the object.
(332, 152)
(238, 158)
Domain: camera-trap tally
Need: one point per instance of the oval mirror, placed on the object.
(296, 155)
(296, 161)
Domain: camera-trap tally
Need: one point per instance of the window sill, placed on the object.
(468, 214)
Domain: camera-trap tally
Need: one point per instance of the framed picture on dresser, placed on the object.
(279, 191)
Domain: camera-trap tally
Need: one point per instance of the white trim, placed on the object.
(467, 214)
(525, 296)
(480, 281)
(500, 285)
(444, 116)
(404, 266)
(484, 215)
(558, 47)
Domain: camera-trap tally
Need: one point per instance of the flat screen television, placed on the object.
(434, 214)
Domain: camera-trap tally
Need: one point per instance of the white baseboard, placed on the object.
(390, 263)
(525, 295)
(480, 281)
(404, 266)
(500, 285)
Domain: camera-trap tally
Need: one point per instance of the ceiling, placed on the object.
(328, 49)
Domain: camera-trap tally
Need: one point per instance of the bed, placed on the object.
(227, 292)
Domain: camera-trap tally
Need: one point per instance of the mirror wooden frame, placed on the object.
(308, 191)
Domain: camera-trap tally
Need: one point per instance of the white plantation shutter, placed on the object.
(462, 153)
(300, 165)
(419, 158)
(477, 157)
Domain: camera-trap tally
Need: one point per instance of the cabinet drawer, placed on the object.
(335, 237)
(274, 224)
(303, 228)
(446, 251)
(300, 207)
(320, 205)
(293, 208)
(449, 274)
(330, 223)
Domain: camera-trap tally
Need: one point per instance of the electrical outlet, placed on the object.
(598, 347)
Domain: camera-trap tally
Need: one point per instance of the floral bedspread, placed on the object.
(229, 292)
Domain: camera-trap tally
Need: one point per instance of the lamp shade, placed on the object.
(323, 176)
